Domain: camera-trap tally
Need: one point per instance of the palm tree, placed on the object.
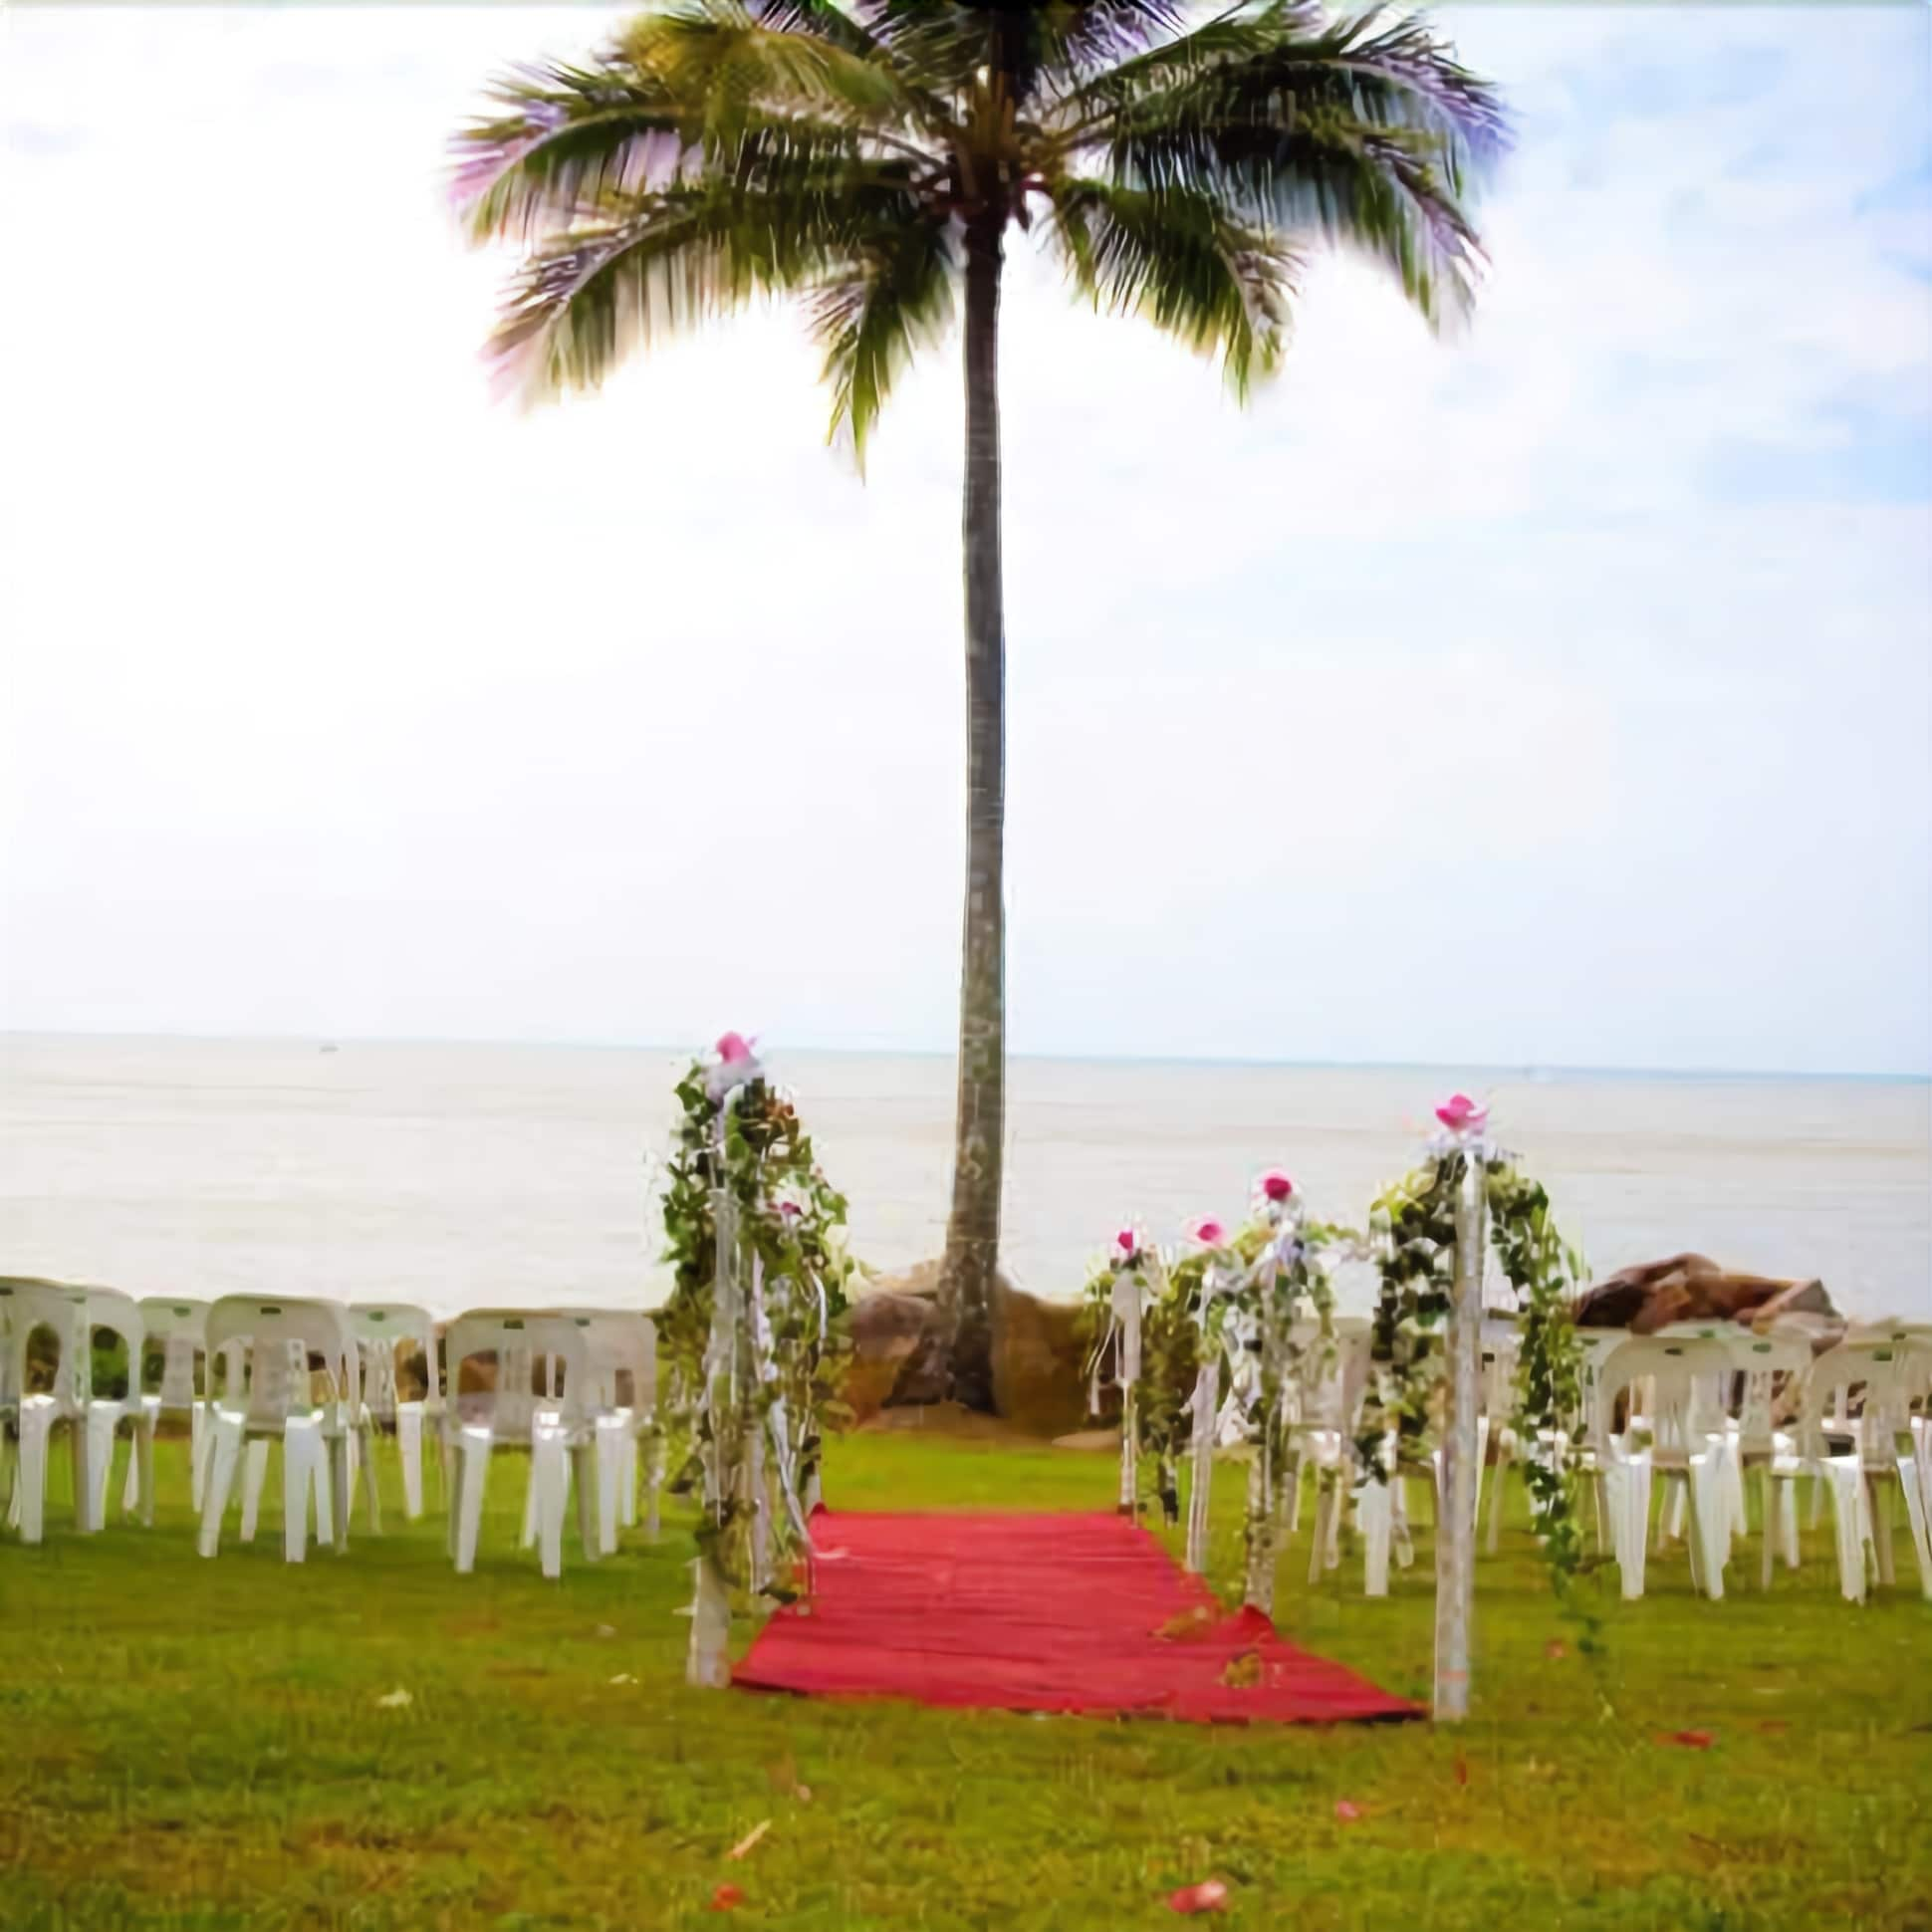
(872, 157)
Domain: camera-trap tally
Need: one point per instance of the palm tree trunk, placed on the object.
(979, 1135)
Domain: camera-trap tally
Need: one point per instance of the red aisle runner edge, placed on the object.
(1025, 1613)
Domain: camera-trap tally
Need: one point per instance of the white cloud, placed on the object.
(340, 700)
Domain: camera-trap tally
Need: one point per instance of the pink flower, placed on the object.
(1210, 1895)
(1276, 1185)
(1126, 1241)
(733, 1048)
(1460, 1115)
(790, 1209)
(1209, 1233)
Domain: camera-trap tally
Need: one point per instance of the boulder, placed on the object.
(1039, 1361)
(1649, 1296)
(898, 1353)
(900, 1345)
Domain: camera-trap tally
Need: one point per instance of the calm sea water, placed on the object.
(463, 1175)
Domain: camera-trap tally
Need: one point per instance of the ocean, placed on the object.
(465, 1175)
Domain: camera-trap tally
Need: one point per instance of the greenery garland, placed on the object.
(791, 1227)
(1416, 1222)
(1173, 1331)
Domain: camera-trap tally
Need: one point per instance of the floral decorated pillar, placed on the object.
(755, 1235)
(1465, 1156)
(1219, 1277)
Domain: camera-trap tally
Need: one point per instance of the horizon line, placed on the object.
(1519, 1068)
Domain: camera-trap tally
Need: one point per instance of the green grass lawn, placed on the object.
(190, 1744)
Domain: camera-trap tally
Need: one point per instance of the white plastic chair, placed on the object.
(181, 1328)
(381, 1329)
(279, 1404)
(1686, 1449)
(1862, 1476)
(1768, 1366)
(118, 1314)
(558, 1428)
(622, 1365)
(32, 1306)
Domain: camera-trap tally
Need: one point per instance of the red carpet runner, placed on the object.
(1038, 1613)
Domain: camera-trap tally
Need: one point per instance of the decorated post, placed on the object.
(1220, 1275)
(756, 1235)
(1461, 1466)
(1435, 1226)
(1130, 1282)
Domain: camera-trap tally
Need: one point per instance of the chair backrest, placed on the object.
(623, 1355)
(1328, 1388)
(1760, 1361)
(28, 1304)
(1594, 1347)
(181, 1329)
(381, 1328)
(524, 1344)
(1883, 1372)
(1681, 1372)
(281, 1334)
(111, 1312)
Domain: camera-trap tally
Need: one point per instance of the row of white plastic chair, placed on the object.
(575, 1388)
(1683, 1432)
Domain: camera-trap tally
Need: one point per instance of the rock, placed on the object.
(1692, 1288)
(900, 1349)
(1039, 1361)
(898, 1353)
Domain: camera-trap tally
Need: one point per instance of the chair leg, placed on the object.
(130, 1484)
(254, 1476)
(1374, 1515)
(549, 1477)
(590, 1517)
(607, 1461)
(197, 1452)
(472, 1465)
(143, 1446)
(224, 1454)
(1768, 1533)
(1787, 1521)
(532, 1502)
(301, 1449)
(30, 1473)
(1916, 1516)
(341, 1449)
(628, 1476)
(1878, 1493)
(361, 1442)
(408, 1443)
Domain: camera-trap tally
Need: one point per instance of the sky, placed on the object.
(1555, 695)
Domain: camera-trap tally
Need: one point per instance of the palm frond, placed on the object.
(565, 136)
(647, 266)
(725, 62)
(896, 299)
(1183, 261)
(1363, 136)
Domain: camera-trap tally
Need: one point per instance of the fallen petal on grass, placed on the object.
(1347, 1810)
(397, 1699)
(1210, 1895)
(1690, 1740)
(727, 1898)
(1556, 1650)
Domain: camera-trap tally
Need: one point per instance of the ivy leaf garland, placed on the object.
(1416, 1222)
(790, 1224)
